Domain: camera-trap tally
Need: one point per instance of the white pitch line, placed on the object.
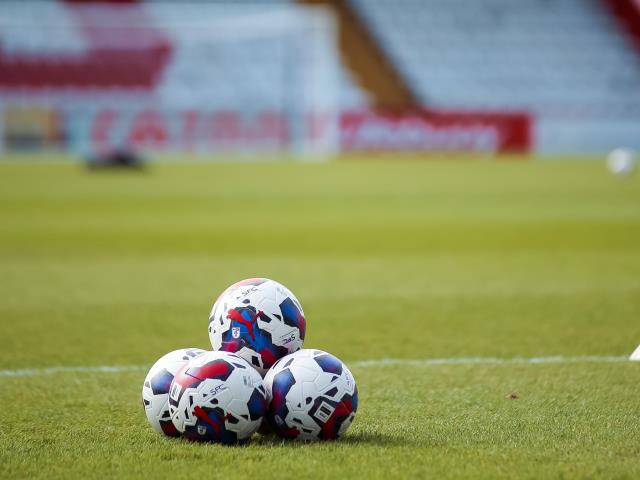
(382, 362)
(486, 361)
(34, 372)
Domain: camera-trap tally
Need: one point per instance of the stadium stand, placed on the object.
(567, 64)
(537, 54)
(44, 61)
(567, 61)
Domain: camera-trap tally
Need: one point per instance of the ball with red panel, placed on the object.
(256, 328)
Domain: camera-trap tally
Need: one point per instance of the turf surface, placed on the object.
(412, 260)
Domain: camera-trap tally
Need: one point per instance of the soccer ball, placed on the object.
(155, 389)
(258, 319)
(217, 397)
(622, 161)
(312, 395)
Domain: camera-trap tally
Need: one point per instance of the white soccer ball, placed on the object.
(217, 397)
(155, 389)
(622, 161)
(312, 396)
(260, 320)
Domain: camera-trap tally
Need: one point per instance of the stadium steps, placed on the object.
(371, 69)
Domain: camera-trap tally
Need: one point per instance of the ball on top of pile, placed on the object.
(258, 319)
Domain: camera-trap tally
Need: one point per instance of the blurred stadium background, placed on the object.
(486, 308)
(317, 78)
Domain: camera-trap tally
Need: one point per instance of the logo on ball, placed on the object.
(312, 395)
(258, 319)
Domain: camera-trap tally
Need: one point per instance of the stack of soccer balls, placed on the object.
(257, 329)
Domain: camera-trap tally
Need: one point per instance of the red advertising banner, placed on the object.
(437, 131)
(211, 131)
(185, 130)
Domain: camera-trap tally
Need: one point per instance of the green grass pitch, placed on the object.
(396, 259)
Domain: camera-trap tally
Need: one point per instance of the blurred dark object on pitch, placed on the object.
(117, 159)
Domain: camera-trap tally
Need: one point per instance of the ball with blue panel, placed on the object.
(260, 320)
(312, 396)
(218, 397)
(155, 389)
